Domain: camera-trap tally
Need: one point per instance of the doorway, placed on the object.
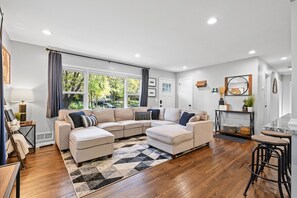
(185, 93)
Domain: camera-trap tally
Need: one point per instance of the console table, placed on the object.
(218, 122)
(9, 174)
(30, 127)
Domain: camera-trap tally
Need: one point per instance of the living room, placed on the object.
(185, 85)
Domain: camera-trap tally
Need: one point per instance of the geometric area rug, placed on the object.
(130, 157)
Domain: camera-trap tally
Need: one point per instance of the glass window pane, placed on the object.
(73, 101)
(133, 100)
(133, 86)
(73, 81)
(105, 91)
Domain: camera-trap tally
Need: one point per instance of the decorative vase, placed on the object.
(244, 108)
(221, 101)
(250, 109)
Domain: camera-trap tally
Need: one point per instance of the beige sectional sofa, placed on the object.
(97, 141)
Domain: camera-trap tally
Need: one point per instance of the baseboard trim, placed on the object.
(45, 144)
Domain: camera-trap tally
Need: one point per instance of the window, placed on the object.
(105, 91)
(166, 87)
(133, 92)
(82, 89)
(73, 89)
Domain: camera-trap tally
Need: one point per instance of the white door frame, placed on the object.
(192, 88)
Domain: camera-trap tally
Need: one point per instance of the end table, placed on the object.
(26, 129)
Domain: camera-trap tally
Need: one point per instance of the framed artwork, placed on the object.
(151, 92)
(152, 82)
(6, 65)
(274, 86)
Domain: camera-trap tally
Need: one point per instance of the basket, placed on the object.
(229, 128)
(245, 130)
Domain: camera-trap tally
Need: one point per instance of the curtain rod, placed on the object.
(95, 58)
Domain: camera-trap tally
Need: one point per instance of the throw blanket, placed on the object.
(21, 143)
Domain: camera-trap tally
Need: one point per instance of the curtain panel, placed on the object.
(144, 89)
(55, 92)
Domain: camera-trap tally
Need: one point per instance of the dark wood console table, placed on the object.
(218, 122)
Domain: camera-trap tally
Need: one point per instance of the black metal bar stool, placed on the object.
(282, 135)
(267, 148)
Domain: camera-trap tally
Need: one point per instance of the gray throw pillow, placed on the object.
(143, 115)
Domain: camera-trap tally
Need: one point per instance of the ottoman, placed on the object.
(90, 143)
(173, 139)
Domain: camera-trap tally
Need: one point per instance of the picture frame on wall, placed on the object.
(152, 92)
(6, 66)
(152, 82)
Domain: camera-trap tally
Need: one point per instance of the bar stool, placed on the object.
(267, 148)
(282, 135)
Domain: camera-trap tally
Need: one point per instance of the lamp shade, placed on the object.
(19, 95)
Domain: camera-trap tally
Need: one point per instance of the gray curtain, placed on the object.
(144, 90)
(55, 93)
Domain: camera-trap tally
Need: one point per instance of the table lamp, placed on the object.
(22, 95)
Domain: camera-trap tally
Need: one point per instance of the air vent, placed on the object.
(44, 136)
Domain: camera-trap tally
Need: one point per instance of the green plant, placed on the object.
(249, 102)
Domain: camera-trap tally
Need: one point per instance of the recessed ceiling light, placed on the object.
(137, 55)
(47, 32)
(185, 67)
(252, 52)
(212, 21)
(284, 58)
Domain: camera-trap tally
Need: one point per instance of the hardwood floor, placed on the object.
(216, 171)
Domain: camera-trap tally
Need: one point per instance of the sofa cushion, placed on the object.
(104, 115)
(185, 118)
(76, 118)
(131, 124)
(155, 113)
(161, 123)
(111, 126)
(146, 123)
(90, 137)
(172, 114)
(143, 115)
(64, 112)
(123, 114)
(203, 115)
(169, 134)
(194, 118)
(140, 109)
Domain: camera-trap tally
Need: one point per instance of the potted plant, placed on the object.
(249, 102)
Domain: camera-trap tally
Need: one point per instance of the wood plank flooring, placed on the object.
(219, 170)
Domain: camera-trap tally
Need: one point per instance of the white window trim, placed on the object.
(87, 71)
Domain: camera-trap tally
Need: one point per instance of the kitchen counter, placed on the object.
(281, 125)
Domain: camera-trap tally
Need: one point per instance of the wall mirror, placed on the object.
(238, 85)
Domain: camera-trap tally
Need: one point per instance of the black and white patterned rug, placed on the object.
(129, 157)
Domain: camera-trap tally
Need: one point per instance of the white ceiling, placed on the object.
(168, 34)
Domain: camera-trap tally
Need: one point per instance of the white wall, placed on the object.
(287, 95)
(294, 93)
(29, 70)
(215, 76)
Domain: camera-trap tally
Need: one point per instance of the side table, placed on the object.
(27, 128)
(9, 174)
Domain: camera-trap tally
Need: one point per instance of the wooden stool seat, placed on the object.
(276, 134)
(269, 140)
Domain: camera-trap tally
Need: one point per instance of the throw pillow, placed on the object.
(68, 119)
(185, 118)
(76, 118)
(143, 115)
(195, 118)
(203, 115)
(89, 120)
(155, 113)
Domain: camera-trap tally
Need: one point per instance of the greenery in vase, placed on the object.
(249, 102)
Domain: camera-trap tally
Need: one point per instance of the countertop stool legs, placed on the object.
(270, 147)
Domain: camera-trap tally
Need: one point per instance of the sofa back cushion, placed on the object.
(123, 114)
(172, 114)
(104, 115)
(64, 112)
